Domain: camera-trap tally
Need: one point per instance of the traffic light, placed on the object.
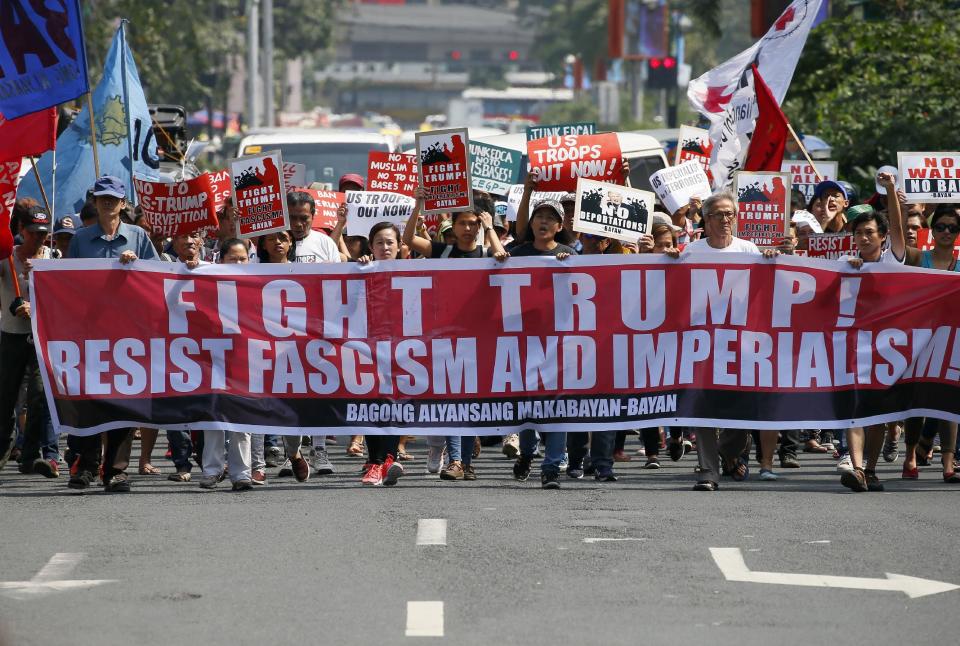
(661, 73)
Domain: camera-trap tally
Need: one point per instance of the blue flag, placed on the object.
(42, 60)
(124, 133)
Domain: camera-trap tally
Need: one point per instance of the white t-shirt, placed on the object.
(736, 245)
(317, 247)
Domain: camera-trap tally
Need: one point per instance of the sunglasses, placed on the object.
(952, 228)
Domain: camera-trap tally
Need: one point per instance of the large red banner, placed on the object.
(466, 346)
(561, 160)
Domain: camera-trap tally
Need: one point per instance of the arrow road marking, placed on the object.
(48, 579)
(734, 568)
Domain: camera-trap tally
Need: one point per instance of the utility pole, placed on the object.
(253, 62)
(270, 119)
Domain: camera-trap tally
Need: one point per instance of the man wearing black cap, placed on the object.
(18, 357)
(108, 237)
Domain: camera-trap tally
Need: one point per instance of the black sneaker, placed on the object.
(550, 480)
(873, 482)
(80, 481)
(606, 475)
(675, 450)
(575, 472)
(117, 484)
(521, 468)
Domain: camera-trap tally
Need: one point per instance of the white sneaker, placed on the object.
(511, 446)
(435, 458)
(845, 464)
(320, 462)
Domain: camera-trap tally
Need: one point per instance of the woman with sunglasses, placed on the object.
(945, 225)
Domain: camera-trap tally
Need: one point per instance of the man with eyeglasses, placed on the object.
(720, 213)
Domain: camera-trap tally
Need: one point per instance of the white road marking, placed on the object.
(734, 568)
(818, 542)
(48, 579)
(610, 540)
(432, 531)
(424, 619)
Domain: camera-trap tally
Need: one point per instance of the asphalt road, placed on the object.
(332, 562)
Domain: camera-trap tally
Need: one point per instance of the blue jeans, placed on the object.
(556, 446)
(181, 447)
(601, 448)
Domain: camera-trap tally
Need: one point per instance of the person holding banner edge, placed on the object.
(871, 230)
(719, 213)
(108, 237)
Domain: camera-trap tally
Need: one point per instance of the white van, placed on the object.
(327, 154)
(644, 153)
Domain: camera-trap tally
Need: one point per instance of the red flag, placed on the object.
(9, 175)
(31, 134)
(770, 134)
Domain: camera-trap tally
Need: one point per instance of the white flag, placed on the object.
(725, 94)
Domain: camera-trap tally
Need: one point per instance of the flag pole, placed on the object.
(93, 135)
(43, 191)
(126, 103)
(805, 153)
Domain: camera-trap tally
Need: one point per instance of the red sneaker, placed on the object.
(391, 471)
(258, 477)
(75, 466)
(373, 476)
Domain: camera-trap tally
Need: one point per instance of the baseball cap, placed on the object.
(109, 185)
(66, 224)
(662, 219)
(828, 184)
(806, 218)
(552, 205)
(37, 220)
(859, 209)
(568, 197)
(351, 177)
(443, 228)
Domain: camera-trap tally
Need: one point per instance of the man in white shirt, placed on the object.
(311, 246)
(719, 213)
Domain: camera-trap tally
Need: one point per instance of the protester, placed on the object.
(466, 225)
(945, 225)
(870, 236)
(108, 237)
(719, 213)
(381, 467)
(545, 236)
(18, 359)
(187, 249)
(63, 232)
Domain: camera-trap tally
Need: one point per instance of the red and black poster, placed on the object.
(259, 194)
(694, 144)
(596, 343)
(763, 207)
(444, 170)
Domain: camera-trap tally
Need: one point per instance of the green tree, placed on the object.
(186, 49)
(871, 88)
